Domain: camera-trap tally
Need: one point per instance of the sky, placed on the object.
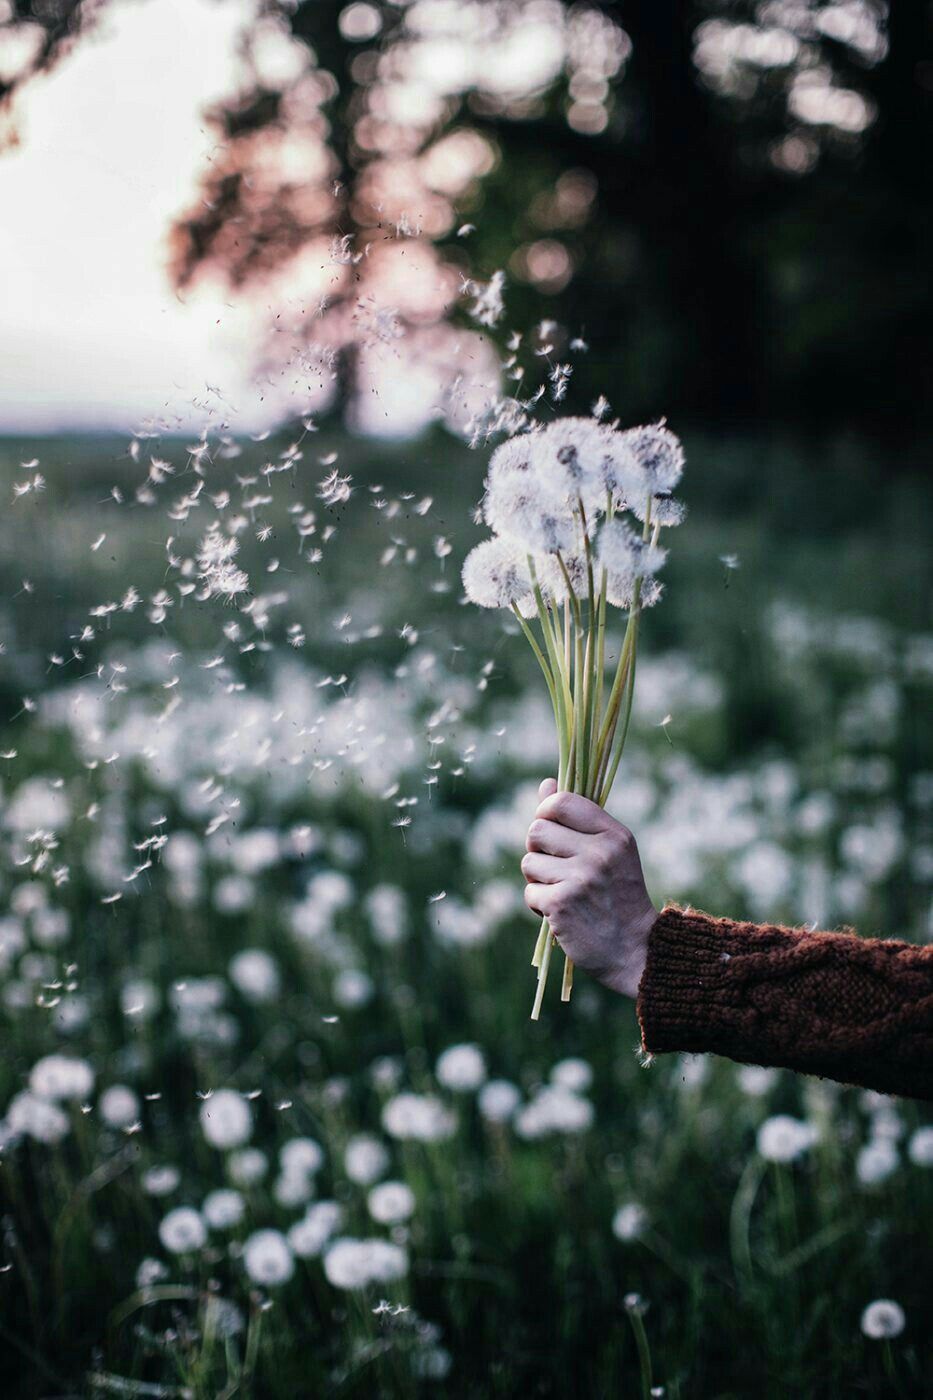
(91, 333)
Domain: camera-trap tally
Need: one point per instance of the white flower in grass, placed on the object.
(301, 1154)
(223, 1209)
(574, 1074)
(61, 1077)
(293, 1189)
(498, 1100)
(35, 1117)
(226, 1120)
(139, 998)
(418, 1117)
(268, 1259)
(883, 1319)
(432, 1364)
(234, 894)
(629, 1222)
(784, 1139)
(920, 1147)
(365, 1159)
(353, 989)
(554, 1110)
(391, 1202)
(150, 1271)
(876, 1161)
(183, 1231)
(118, 1106)
(308, 1236)
(387, 910)
(495, 575)
(461, 1068)
(351, 1263)
(255, 974)
(161, 1181)
(248, 1166)
(222, 1317)
(756, 1080)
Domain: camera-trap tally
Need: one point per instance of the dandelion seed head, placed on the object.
(391, 1202)
(268, 1259)
(659, 452)
(495, 575)
(352, 1263)
(183, 1231)
(883, 1319)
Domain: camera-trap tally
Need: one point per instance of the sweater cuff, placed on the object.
(686, 995)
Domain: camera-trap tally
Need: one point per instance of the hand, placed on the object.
(584, 875)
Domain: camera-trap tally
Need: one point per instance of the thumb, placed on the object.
(546, 788)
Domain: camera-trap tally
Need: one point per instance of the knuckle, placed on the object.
(526, 864)
(536, 831)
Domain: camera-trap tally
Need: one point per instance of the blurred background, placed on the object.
(294, 267)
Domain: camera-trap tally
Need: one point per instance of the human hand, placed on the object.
(584, 875)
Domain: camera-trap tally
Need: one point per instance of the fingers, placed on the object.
(543, 870)
(546, 788)
(540, 898)
(573, 811)
(553, 839)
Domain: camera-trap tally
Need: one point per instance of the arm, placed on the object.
(853, 1009)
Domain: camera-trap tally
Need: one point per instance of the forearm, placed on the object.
(857, 1010)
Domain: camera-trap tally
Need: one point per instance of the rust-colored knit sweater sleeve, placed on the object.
(859, 1010)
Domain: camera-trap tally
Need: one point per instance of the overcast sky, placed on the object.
(91, 333)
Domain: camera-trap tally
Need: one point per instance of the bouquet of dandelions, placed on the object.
(576, 511)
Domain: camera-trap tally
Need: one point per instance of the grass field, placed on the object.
(260, 899)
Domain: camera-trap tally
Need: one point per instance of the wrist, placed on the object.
(626, 977)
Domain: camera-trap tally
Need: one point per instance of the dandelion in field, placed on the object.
(498, 1100)
(756, 1080)
(223, 1209)
(574, 1074)
(365, 1159)
(353, 988)
(255, 974)
(61, 1077)
(784, 1138)
(560, 502)
(268, 1259)
(118, 1106)
(387, 910)
(391, 1202)
(310, 1235)
(629, 1222)
(301, 1154)
(161, 1181)
(554, 1110)
(883, 1319)
(183, 1231)
(225, 1119)
(30, 1115)
(418, 1118)
(151, 1271)
(461, 1068)
(247, 1167)
(920, 1147)
(876, 1161)
(352, 1263)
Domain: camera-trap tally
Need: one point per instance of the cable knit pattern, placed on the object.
(859, 1010)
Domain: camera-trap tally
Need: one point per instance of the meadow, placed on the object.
(273, 1118)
